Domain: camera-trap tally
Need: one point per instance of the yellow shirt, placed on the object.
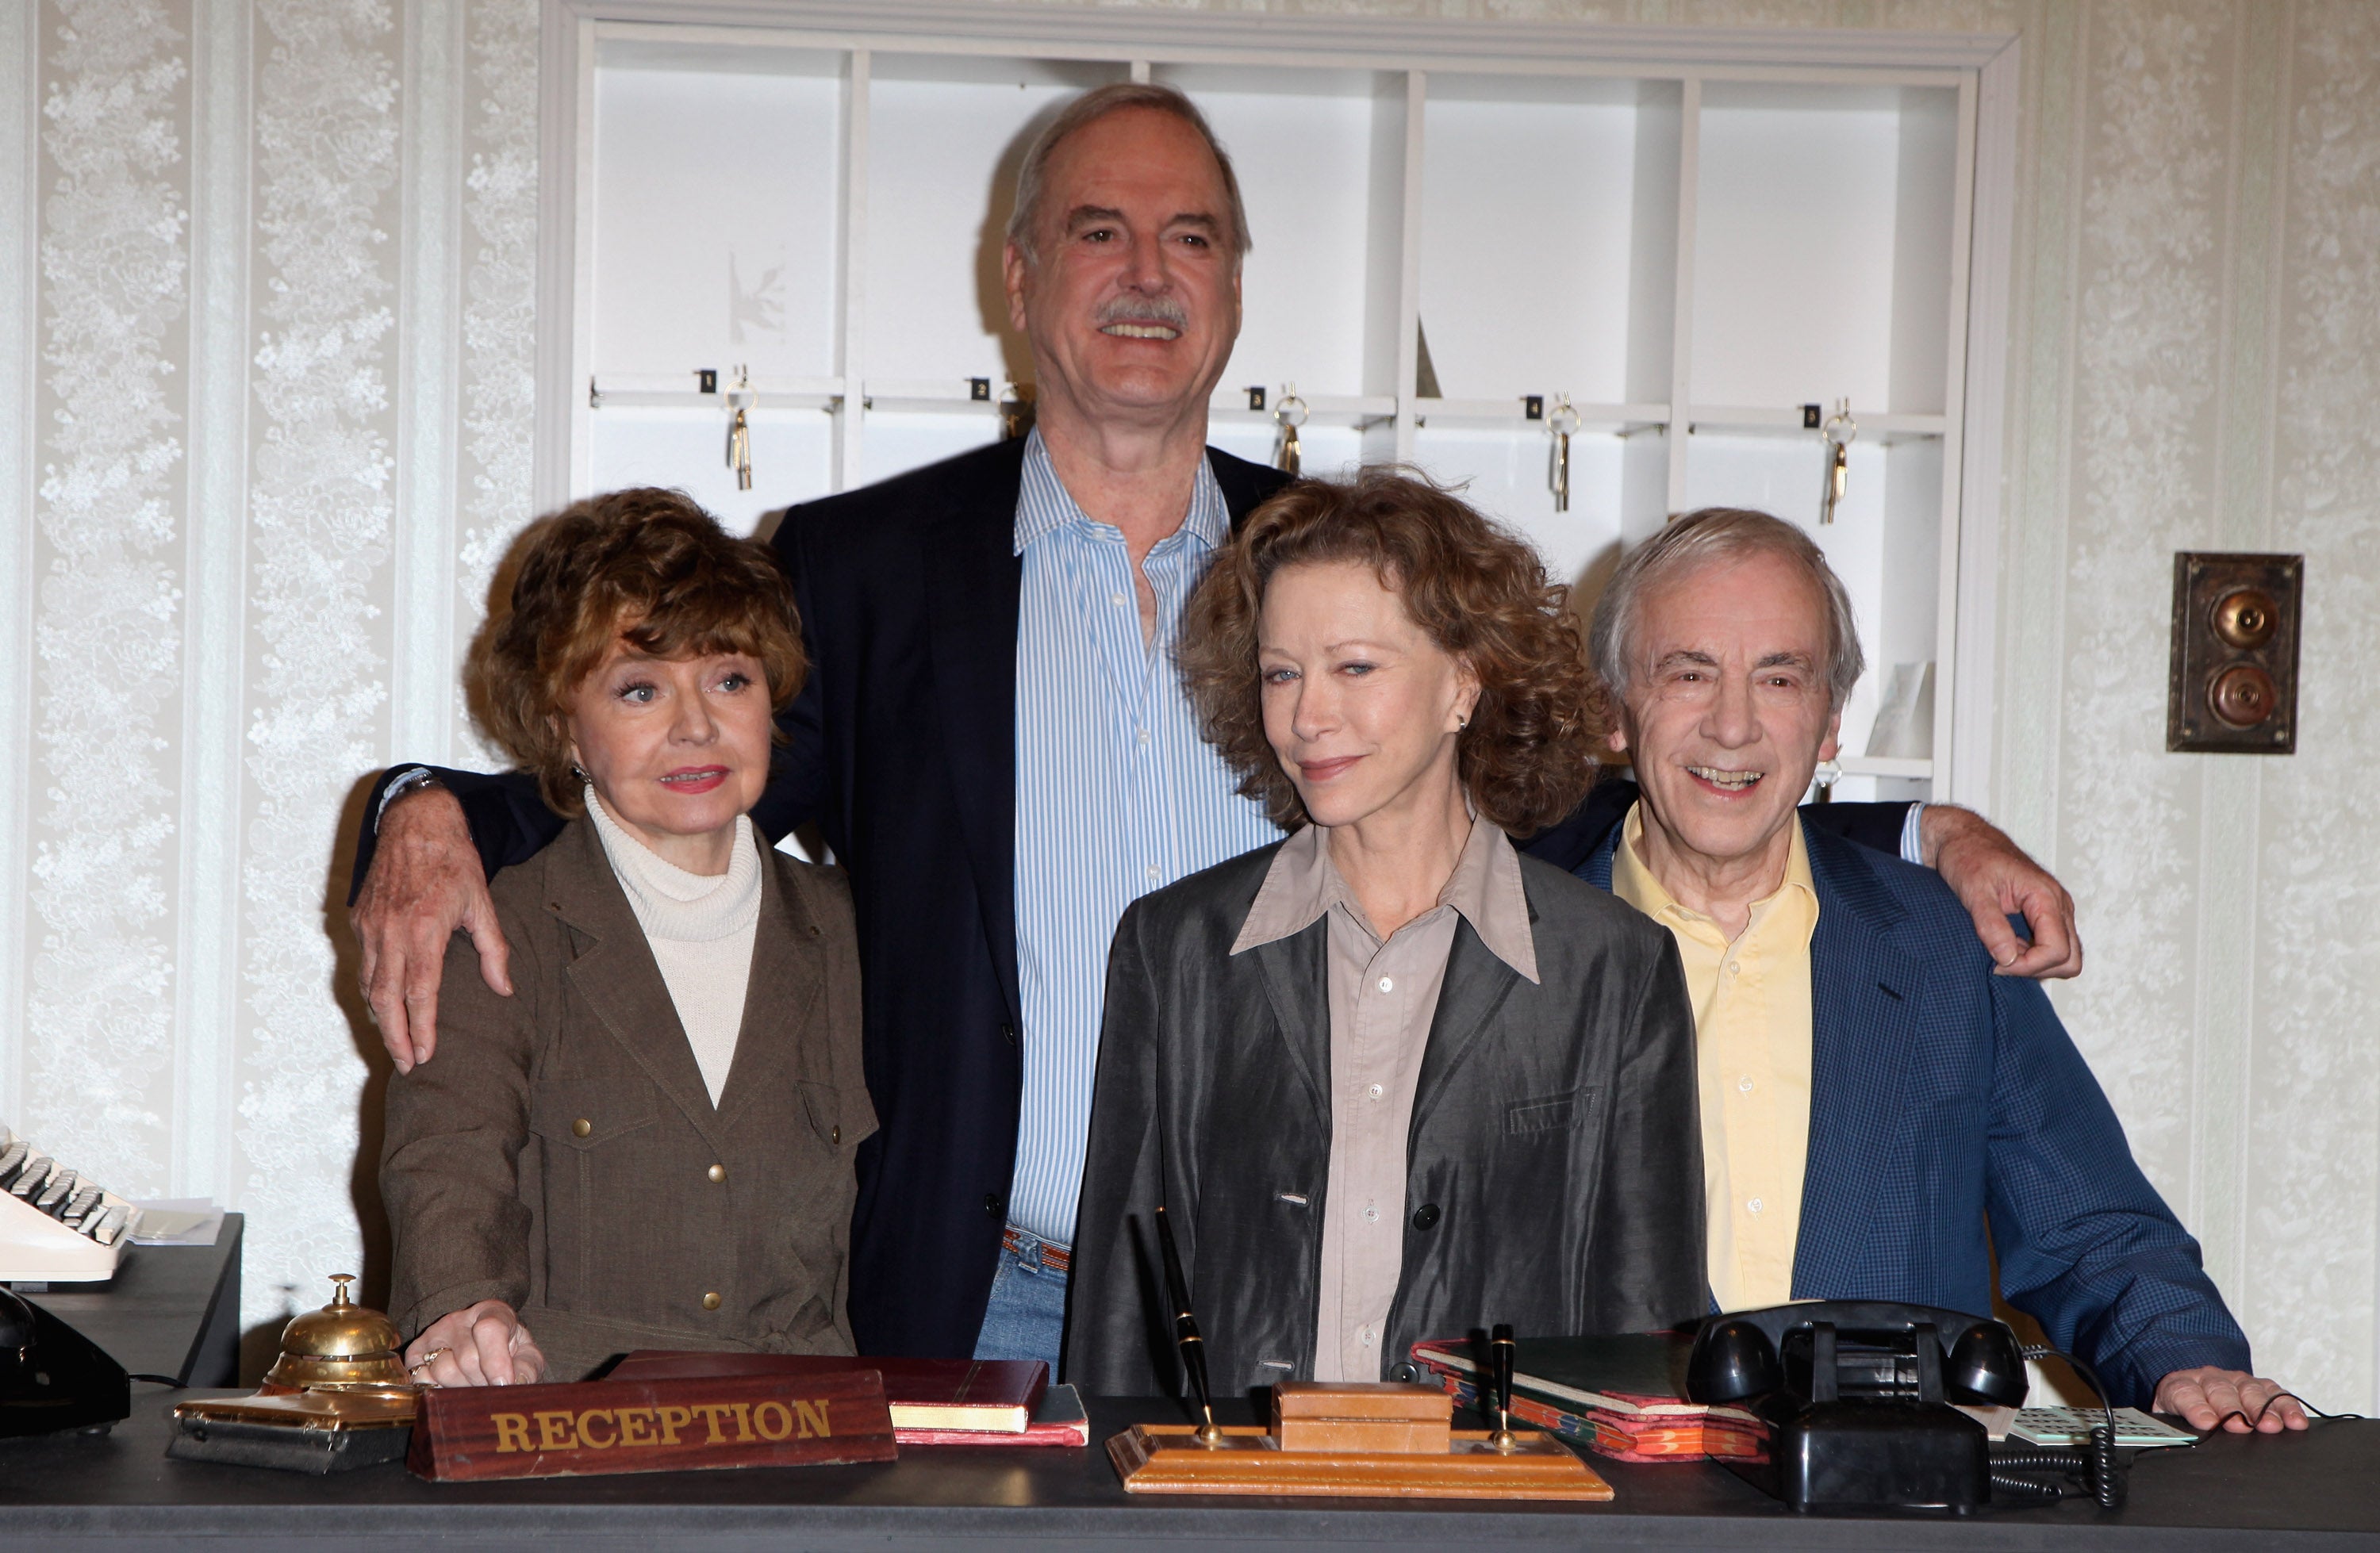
(1751, 1056)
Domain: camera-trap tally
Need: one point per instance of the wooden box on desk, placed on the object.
(1357, 1441)
(600, 1427)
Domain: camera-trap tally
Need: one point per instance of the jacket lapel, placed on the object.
(1297, 983)
(788, 972)
(1862, 1018)
(615, 973)
(1476, 985)
(973, 581)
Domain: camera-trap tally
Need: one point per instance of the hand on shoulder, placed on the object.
(425, 882)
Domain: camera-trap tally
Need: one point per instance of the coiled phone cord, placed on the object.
(2095, 1463)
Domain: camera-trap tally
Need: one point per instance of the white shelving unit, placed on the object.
(1691, 234)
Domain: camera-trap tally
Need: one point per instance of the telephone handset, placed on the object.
(1847, 1350)
(1853, 1401)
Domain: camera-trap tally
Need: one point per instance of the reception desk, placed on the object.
(2316, 1489)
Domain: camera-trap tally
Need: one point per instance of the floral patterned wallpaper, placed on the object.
(266, 313)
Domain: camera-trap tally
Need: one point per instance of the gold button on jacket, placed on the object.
(563, 1153)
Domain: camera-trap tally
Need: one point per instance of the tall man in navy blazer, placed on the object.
(1871, 1093)
(993, 743)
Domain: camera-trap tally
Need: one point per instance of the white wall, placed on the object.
(264, 419)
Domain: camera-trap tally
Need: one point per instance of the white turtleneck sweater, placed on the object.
(700, 928)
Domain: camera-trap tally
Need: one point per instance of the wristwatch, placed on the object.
(414, 779)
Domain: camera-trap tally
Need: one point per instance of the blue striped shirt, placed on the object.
(1116, 794)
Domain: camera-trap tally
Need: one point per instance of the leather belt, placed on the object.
(1056, 1259)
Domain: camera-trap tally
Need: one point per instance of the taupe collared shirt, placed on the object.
(1383, 997)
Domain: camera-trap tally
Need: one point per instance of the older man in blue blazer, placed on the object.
(1879, 1112)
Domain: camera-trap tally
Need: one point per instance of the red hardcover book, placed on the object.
(929, 1398)
(1621, 1397)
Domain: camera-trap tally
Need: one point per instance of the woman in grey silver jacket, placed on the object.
(1391, 1080)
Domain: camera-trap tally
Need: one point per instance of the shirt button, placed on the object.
(1375, 1091)
(581, 1127)
(717, 1172)
(1732, 967)
(1752, 1207)
(1744, 1083)
(1371, 1213)
(1369, 1336)
(1387, 983)
(710, 1301)
(1116, 599)
(1152, 873)
(1143, 736)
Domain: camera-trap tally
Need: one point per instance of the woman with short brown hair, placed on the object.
(1390, 1079)
(650, 1143)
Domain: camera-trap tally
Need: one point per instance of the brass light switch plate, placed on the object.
(2234, 684)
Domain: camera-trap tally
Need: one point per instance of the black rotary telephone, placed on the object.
(1853, 1402)
(53, 1377)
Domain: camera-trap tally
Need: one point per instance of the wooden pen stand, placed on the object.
(1369, 1441)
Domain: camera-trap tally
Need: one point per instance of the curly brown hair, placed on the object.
(1528, 753)
(645, 564)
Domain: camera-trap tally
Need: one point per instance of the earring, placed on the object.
(1462, 721)
(580, 772)
(1828, 773)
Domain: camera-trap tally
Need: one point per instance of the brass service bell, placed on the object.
(342, 1347)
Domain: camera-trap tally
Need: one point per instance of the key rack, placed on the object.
(1695, 235)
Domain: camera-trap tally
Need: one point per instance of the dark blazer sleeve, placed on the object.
(509, 821)
(796, 790)
(1648, 1251)
(2085, 1245)
(450, 1155)
(1874, 826)
(1571, 840)
(1112, 1335)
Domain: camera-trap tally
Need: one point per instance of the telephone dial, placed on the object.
(1853, 1401)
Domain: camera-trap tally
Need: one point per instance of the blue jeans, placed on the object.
(1027, 1318)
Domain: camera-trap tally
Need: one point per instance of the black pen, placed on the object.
(1185, 1328)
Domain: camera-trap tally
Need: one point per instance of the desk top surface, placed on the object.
(152, 1316)
(2322, 1486)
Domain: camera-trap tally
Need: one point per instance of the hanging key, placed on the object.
(1839, 432)
(1289, 414)
(740, 400)
(1562, 421)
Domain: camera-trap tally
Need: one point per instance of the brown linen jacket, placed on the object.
(561, 1152)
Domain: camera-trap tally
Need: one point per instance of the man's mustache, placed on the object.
(1144, 309)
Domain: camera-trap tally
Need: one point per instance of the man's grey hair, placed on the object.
(1698, 538)
(1032, 178)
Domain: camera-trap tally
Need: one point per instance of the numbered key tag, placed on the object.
(740, 400)
(1838, 431)
(1289, 414)
(1563, 420)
